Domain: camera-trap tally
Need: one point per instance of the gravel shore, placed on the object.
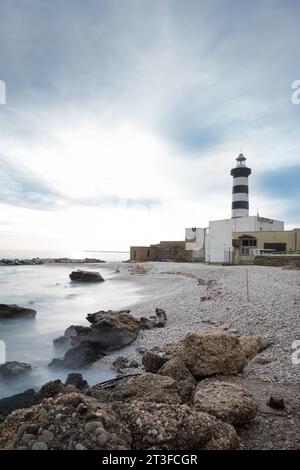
(272, 309)
(196, 296)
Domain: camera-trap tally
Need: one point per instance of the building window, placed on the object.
(148, 253)
(247, 243)
(275, 246)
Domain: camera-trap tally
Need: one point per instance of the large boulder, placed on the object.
(212, 352)
(51, 389)
(76, 330)
(70, 421)
(153, 361)
(86, 276)
(226, 401)
(253, 345)
(174, 426)
(77, 381)
(20, 400)
(152, 387)
(80, 356)
(177, 370)
(110, 330)
(13, 311)
(13, 369)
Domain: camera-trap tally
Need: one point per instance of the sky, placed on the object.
(123, 118)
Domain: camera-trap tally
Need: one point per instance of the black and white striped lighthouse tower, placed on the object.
(240, 189)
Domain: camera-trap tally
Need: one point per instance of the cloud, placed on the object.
(149, 102)
(20, 187)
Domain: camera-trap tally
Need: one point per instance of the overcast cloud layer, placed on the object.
(124, 118)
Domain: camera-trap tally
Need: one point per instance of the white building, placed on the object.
(213, 244)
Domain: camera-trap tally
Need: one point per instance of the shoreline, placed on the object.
(272, 310)
(197, 297)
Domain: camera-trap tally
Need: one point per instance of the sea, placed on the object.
(59, 303)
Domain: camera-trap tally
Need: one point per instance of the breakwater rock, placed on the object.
(13, 311)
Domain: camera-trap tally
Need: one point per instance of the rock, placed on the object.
(140, 350)
(212, 352)
(77, 380)
(152, 387)
(173, 426)
(14, 369)
(146, 323)
(111, 330)
(252, 345)
(51, 389)
(79, 446)
(39, 446)
(86, 276)
(8, 312)
(61, 342)
(226, 401)
(153, 361)
(276, 402)
(32, 429)
(68, 427)
(80, 356)
(176, 369)
(120, 363)
(133, 365)
(15, 402)
(46, 436)
(76, 330)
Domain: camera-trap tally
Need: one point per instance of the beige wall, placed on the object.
(166, 250)
(140, 253)
(290, 238)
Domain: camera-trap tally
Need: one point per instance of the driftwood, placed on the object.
(107, 384)
(161, 317)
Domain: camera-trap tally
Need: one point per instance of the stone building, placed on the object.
(163, 251)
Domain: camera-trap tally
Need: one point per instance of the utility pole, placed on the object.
(247, 285)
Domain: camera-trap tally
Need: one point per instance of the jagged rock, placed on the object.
(77, 380)
(80, 356)
(186, 382)
(14, 369)
(51, 389)
(62, 427)
(146, 323)
(98, 316)
(152, 387)
(120, 363)
(226, 401)
(61, 342)
(20, 400)
(173, 426)
(86, 276)
(276, 402)
(76, 330)
(252, 345)
(212, 352)
(111, 330)
(8, 312)
(153, 361)
(176, 369)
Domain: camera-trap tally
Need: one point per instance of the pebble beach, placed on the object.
(196, 296)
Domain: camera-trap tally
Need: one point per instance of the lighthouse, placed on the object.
(240, 189)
